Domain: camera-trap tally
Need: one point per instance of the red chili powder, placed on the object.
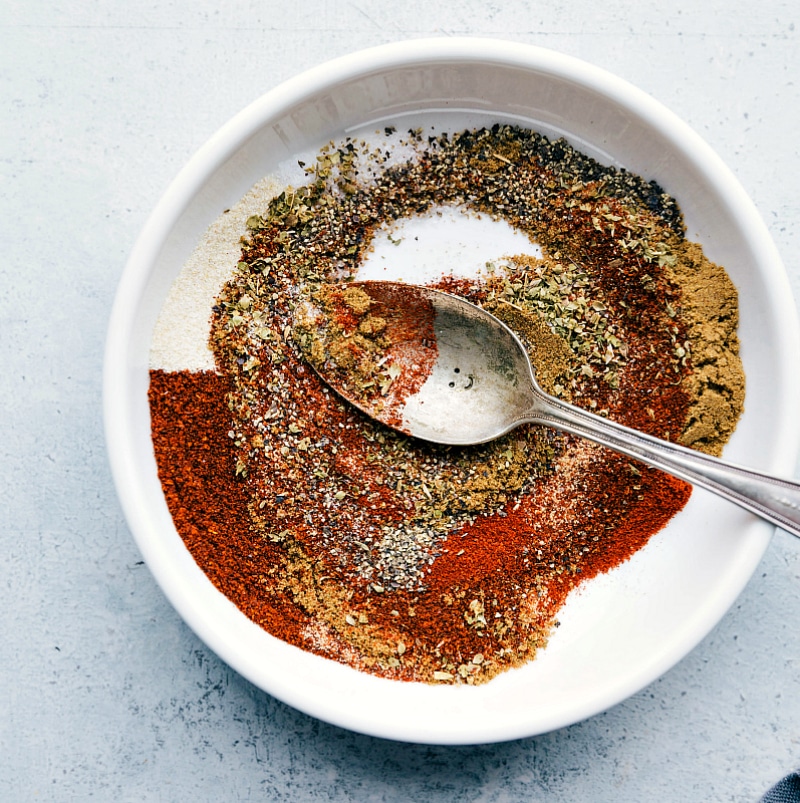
(209, 505)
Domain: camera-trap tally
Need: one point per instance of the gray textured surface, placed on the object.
(105, 693)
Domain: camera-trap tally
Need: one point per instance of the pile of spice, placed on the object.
(405, 559)
(376, 347)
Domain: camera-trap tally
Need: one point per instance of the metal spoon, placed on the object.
(480, 384)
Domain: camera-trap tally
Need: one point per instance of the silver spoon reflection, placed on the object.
(478, 384)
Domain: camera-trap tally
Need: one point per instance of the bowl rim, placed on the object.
(224, 143)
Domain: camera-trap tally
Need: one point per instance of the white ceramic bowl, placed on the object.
(623, 630)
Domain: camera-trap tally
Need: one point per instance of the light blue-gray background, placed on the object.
(104, 692)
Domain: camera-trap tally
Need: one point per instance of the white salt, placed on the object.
(180, 338)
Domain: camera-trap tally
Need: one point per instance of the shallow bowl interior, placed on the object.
(624, 629)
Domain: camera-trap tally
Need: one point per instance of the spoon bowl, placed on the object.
(480, 384)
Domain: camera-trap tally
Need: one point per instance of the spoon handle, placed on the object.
(774, 499)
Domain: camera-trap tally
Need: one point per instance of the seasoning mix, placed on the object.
(401, 558)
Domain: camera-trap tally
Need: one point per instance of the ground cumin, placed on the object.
(549, 353)
(716, 385)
